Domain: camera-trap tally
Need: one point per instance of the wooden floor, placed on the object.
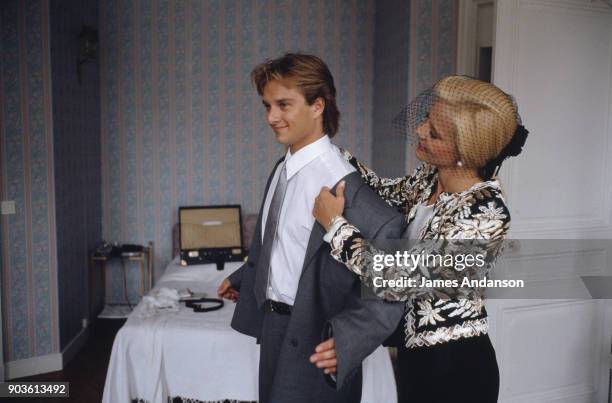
(87, 370)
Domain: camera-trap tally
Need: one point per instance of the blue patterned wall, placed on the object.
(76, 138)
(181, 123)
(29, 265)
(409, 57)
(391, 68)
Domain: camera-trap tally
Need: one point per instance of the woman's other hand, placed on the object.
(325, 356)
(327, 206)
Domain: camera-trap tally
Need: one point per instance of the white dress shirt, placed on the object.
(308, 170)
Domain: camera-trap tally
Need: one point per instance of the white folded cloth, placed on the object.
(158, 300)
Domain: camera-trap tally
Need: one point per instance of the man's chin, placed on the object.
(282, 138)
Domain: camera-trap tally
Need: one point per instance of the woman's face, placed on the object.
(437, 138)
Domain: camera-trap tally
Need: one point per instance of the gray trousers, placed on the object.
(272, 337)
(297, 385)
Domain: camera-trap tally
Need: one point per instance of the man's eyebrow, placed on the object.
(285, 100)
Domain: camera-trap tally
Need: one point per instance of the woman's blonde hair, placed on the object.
(484, 117)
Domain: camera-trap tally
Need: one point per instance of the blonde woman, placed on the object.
(465, 129)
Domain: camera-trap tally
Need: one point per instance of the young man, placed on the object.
(291, 293)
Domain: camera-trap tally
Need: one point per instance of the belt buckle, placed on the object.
(272, 306)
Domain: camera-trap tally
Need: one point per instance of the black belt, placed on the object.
(278, 307)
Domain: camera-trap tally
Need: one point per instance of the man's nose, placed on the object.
(273, 116)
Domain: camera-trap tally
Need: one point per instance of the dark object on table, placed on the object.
(210, 234)
(130, 249)
(204, 304)
(109, 250)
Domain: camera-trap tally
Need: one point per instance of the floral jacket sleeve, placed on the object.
(397, 192)
(479, 214)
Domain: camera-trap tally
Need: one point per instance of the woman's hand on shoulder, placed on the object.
(327, 206)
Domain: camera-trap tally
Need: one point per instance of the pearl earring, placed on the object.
(459, 163)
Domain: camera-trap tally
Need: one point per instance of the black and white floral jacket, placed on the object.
(433, 316)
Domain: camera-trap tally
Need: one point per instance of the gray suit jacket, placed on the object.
(328, 294)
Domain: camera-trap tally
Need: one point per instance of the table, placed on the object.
(198, 355)
(143, 257)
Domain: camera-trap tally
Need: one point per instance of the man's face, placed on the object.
(294, 122)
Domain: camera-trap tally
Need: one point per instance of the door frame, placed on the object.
(467, 36)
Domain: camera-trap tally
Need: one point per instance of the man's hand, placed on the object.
(226, 291)
(325, 356)
(327, 206)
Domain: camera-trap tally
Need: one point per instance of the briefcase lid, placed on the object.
(210, 227)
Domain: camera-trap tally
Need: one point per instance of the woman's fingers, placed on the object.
(327, 363)
(326, 194)
(340, 189)
(324, 355)
(324, 352)
(326, 345)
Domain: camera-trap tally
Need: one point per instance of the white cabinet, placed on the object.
(555, 57)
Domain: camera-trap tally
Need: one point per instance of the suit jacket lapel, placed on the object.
(314, 244)
(353, 182)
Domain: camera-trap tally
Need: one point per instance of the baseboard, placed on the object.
(75, 345)
(46, 363)
(33, 366)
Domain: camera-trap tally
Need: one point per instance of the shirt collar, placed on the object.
(295, 162)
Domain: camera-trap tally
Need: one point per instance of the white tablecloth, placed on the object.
(198, 355)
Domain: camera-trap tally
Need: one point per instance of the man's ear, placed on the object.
(318, 106)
